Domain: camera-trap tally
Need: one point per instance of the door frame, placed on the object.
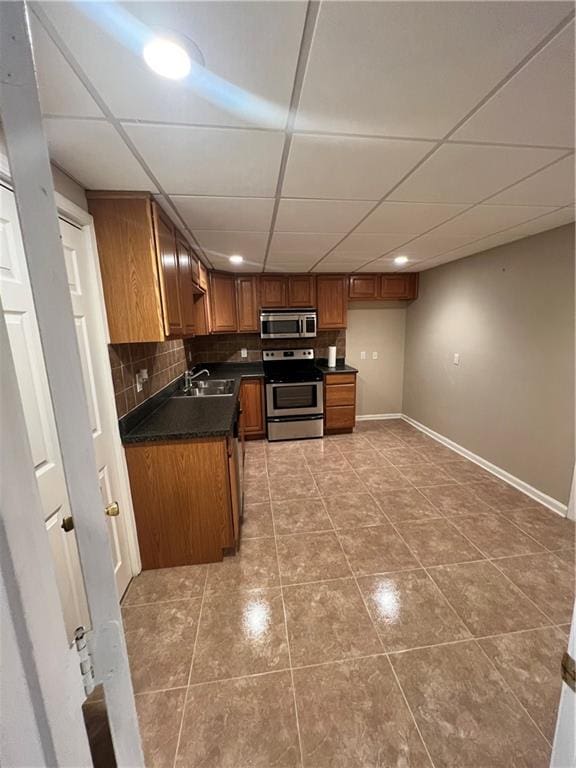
(82, 219)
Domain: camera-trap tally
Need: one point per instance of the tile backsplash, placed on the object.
(164, 362)
(225, 348)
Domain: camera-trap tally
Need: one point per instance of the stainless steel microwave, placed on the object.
(287, 324)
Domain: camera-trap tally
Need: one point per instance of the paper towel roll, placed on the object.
(331, 357)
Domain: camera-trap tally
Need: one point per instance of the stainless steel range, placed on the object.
(294, 394)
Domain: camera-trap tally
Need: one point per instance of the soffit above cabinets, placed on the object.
(429, 130)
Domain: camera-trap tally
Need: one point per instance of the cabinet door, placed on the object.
(202, 276)
(252, 406)
(363, 287)
(399, 286)
(332, 291)
(169, 277)
(273, 291)
(186, 287)
(202, 323)
(247, 301)
(301, 291)
(223, 303)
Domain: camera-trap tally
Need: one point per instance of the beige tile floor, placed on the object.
(392, 604)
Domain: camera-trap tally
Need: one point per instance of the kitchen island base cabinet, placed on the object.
(184, 503)
(339, 402)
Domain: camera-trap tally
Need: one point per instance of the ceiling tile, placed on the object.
(536, 106)
(486, 219)
(228, 213)
(383, 265)
(289, 262)
(61, 91)
(94, 154)
(250, 51)
(348, 168)
(306, 244)
(339, 216)
(211, 161)
(219, 246)
(411, 218)
(464, 173)
(430, 245)
(422, 66)
(552, 186)
(371, 244)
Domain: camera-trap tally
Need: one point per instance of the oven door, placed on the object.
(280, 326)
(302, 398)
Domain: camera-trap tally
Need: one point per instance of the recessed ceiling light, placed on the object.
(401, 260)
(236, 259)
(167, 58)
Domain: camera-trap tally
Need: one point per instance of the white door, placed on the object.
(29, 363)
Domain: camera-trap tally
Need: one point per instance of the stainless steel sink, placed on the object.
(208, 388)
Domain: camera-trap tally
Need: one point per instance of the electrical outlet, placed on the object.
(243, 352)
(139, 383)
(456, 359)
(363, 355)
(374, 355)
(144, 374)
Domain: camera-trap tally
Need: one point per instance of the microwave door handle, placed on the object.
(301, 322)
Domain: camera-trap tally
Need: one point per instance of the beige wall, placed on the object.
(509, 313)
(377, 327)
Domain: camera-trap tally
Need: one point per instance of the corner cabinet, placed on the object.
(332, 302)
(149, 272)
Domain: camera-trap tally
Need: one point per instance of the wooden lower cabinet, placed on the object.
(252, 419)
(183, 496)
(339, 402)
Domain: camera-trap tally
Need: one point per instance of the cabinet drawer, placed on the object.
(339, 378)
(340, 417)
(341, 394)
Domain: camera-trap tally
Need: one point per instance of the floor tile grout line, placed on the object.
(521, 591)
(293, 686)
(190, 670)
(510, 690)
(407, 703)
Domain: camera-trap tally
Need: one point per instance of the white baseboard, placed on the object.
(379, 416)
(534, 493)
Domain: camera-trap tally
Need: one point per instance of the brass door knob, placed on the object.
(113, 509)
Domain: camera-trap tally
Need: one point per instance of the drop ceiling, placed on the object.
(323, 137)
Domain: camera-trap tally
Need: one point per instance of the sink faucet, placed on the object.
(189, 377)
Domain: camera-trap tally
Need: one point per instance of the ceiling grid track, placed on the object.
(521, 64)
(312, 10)
(111, 119)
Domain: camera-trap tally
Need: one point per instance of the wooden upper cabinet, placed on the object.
(222, 293)
(247, 303)
(169, 272)
(186, 263)
(202, 276)
(301, 291)
(364, 287)
(273, 291)
(332, 292)
(399, 286)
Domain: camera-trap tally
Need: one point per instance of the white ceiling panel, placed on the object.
(229, 213)
(250, 51)
(552, 186)
(536, 106)
(421, 66)
(320, 215)
(485, 219)
(61, 92)
(310, 244)
(219, 246)
(204, 161)
(371, 244)
(410, 218)
(94, 154)
(385, 264)
(430, 245)
(289, 262)
(348, 168)
(464, 173)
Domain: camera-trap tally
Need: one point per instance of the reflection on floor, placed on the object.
(392, 604)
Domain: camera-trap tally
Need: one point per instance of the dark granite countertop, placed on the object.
(163, 417)
(341, 366)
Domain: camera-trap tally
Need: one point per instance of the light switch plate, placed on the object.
(456, 359)
(363, 355)
(374, 355)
